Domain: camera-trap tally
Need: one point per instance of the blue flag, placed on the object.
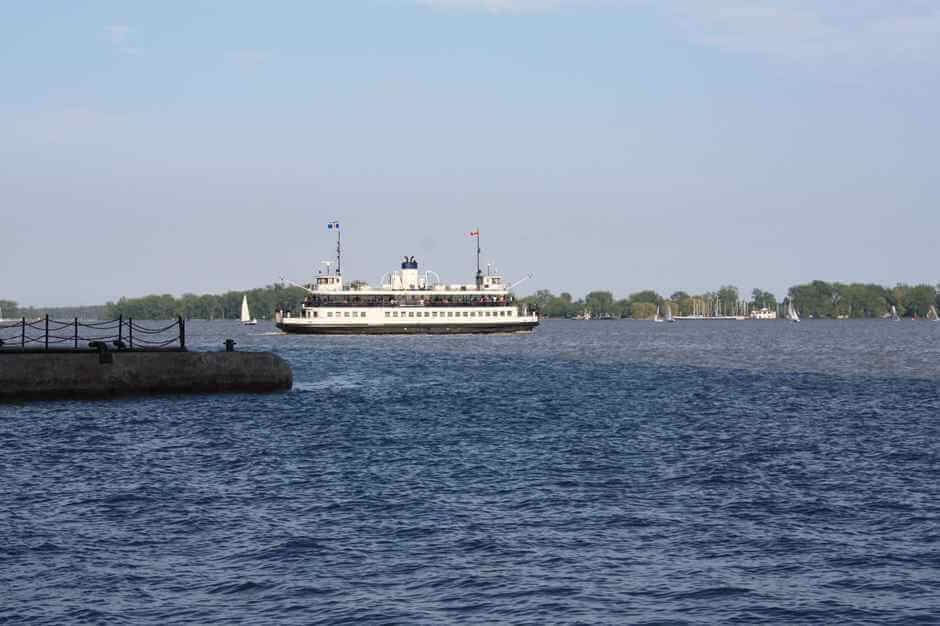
(332, 225)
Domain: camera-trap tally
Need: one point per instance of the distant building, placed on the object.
(763, 314)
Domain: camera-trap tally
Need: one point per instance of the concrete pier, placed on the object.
(40, 375)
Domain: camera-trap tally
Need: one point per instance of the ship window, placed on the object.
(346, 314)
(387, 314)
(394, 313)
(329, 314)
(465, 314)
(450, 314)
(411, 313)
(426, 314)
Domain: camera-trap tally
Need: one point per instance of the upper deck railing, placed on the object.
(368, 301)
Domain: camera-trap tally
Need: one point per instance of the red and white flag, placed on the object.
(475, 233)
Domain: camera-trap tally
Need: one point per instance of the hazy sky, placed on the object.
(625, 144)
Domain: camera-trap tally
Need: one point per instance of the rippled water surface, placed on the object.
(590, 471)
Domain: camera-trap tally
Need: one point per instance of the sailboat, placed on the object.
(658, 317)
(669, 313)
(247, 320)
(894, 314)
(932, 314)
(791, 312)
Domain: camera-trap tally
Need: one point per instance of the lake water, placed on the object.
(613, 472)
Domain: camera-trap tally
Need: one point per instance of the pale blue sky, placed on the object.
(622, 144)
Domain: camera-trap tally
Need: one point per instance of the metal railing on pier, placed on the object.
(45, 334)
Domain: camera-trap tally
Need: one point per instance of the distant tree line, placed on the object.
(262, 302)
(11, 310)
(817, 299)
(820, 299)
(642, 304)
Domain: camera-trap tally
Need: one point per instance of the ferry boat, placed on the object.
(407, 302)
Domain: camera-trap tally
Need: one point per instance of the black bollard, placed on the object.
(104, 356)
(230, 345)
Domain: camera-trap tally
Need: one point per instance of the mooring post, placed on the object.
(120, 329)
(182, 332)
(76, 333)
(23, 334)
(47, 332)
(130, 331)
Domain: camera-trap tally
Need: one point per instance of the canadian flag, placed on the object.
(475, 233)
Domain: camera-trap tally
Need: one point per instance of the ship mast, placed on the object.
(479, 277)
(334, 225)
(478, 252)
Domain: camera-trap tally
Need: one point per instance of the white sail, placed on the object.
(932, 314)
(246, 316)
(669, 313)
(658, 317)
(894, 313)
(791, 313)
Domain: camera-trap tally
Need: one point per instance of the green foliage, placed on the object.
(728, 297)
(262, 302)
(817, 299)
(763, 299)
(856, 300)
(548, 305)
(600, 303)
(647, 295)
(643, 310)
(920, 298)
(682, 303)
(8, 309)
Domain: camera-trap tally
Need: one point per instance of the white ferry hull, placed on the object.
(299, 326)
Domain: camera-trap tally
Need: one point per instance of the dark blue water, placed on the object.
(618, 472)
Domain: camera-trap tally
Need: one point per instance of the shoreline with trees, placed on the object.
(814, 300)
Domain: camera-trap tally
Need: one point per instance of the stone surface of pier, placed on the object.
(39, 375)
